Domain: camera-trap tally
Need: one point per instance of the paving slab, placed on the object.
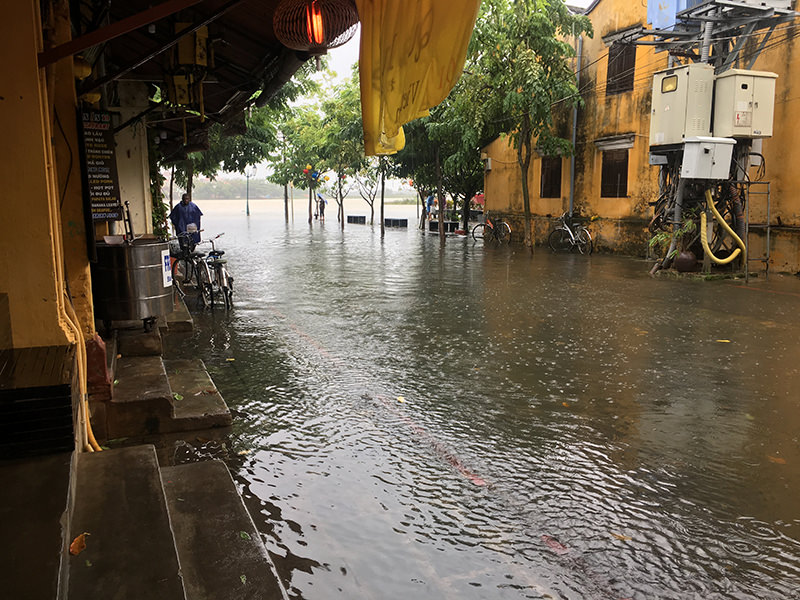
(33, 501)
(130, 552)
(220, 551)
(197, 404)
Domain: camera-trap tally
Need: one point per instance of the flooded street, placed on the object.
(474, 423)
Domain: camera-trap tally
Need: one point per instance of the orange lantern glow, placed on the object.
(314, 25)
(314, 28)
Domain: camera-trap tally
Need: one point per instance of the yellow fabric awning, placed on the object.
(412, 53)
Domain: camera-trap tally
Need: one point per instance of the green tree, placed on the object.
(300, 152)
(518, 69)
(342, 136)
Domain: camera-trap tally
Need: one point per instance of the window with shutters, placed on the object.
(621, 67)
(614, 177)
(551, 177)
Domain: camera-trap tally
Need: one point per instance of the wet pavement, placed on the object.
(470, 422)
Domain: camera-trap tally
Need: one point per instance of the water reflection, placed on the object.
(470, 422)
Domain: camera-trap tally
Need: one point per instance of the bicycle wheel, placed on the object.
(182, 273)
(560, 240)
(205, 286)
(584, 241)
(479, 232)
(503, 232)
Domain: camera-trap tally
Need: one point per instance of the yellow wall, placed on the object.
(622, 222)
(65, 142)
(30, 228)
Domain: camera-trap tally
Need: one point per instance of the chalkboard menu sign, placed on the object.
(100, 166)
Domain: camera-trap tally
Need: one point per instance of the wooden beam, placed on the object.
(114, 30)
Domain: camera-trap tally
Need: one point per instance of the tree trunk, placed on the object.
(524, 159)
(442, 203)
(465, 213)
(383, 187)
(286, 201)
(310, 208)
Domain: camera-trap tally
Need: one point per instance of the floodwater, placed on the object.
(474, 423)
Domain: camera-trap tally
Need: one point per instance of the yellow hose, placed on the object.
(72, 320)
(704, 236)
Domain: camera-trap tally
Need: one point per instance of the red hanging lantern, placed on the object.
(314, 25)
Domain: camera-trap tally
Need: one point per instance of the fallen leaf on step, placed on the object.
(230, 359)
(622, 538)
(777, 460)
(244, 535)
(401, 399)
(177, 397)
(243, 579)
(723, 341)
(243, 452)
(78, 545)
(565, 404)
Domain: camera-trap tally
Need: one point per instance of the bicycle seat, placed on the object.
(219, 261)
(216, 253)
(198, 254)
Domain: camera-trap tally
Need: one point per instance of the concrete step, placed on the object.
(142, 401)
(197, 404)
(220, 551)
(130, 552)
(33, 500)
(179, 320)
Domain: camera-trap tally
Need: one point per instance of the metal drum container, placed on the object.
(132, 281)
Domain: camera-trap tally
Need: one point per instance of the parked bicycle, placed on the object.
(567, 237)
(206, 273)
(221, 281)
(492, 230)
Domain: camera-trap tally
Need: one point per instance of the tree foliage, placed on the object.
(518, 66)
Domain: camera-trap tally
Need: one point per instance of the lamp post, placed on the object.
(249, 171)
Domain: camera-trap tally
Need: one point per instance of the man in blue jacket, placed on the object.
(185, 218)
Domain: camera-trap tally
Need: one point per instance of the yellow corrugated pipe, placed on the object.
(704, 236)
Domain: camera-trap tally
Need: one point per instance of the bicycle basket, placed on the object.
(174, 248)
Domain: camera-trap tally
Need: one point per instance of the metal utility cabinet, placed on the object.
(682, 103)
(707, 158)
(744, 104)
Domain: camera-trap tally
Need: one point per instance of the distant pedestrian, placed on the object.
(322, 202)
(185, 218)
(429, 203)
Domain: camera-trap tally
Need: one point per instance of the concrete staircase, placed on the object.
(148, 395)
(172, 533)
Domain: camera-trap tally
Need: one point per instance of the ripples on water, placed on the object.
(475, 423)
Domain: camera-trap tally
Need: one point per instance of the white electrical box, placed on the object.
(707, 158)
(681, 104)
(744, 104)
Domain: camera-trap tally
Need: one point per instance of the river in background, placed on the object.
(474, 423)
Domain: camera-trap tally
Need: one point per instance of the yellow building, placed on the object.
(612, 178)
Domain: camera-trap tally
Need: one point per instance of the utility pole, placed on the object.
(249, 171)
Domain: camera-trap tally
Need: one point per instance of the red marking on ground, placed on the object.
(555, 545)
(438, 447)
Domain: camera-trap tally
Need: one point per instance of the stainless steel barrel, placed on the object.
(132, 281)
